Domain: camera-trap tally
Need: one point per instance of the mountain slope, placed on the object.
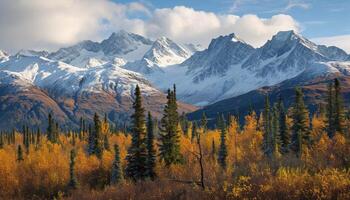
(230, 67)
(315, 92)
(122, 45)
(34, 86)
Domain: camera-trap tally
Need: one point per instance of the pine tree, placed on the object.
(330, 112)
(339, 114)
(19, 153)
(73, 182)
(223, 146)
(117, 172)
(97, 140)
(106, 142)
(283, 129)
(137, 152)
(267, 140)
(194, 131)
(169, 137)
(91, 141)
(151, 152)
(213, 149)
(300, 128)
(1, 140)
(50, 128)
(275, 137)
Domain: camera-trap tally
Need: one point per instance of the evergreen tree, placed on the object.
(213, 149)
(52, 129)
(91, 141)
(73, 182)
(300, 128)
(194, 131)
(339, 114)
(223, 146)
(117, 172)
(283, 129)
(267, 124)
(106, 142)
(275, 138)
(151, 152)
(330, 112)
(169, 137)
(1, 140)
(137, 152)
(97, 140)
(19, 153)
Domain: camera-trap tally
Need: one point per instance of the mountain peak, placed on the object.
(286, 35)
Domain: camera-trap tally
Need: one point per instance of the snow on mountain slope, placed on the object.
(124, 45)
(3, 56)
(59, 76)
(230, 67)
(163, 53)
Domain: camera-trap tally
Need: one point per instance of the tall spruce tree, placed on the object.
(222, 157)
(73, 182)
(330, 123)
(19, 153)
(98, 138)
(275, 137)
(283, 128)
(137, 152)
(106, 142)
(169, 137)
(339, 111)
(117, 172)
(151, 152)
(300, 127)
(267, 124)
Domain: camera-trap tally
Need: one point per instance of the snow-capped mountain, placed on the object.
(121, 45)
(229, 67)
(3, 56)
(101, 76)
(71, 91)
(163, 53)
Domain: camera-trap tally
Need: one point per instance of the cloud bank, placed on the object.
(341, 41)
(42, 24)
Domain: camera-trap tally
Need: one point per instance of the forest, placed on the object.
(277, 153)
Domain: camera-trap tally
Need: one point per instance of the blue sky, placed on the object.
(49, 25)
(318, 18)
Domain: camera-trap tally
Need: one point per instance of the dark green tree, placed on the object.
(330, 120)
(222, 157)
(339, 111)
(19, 153)
(106, 142)
(151, 152)
(283, 129)
(267, 132)
(98, 138)
(117, 172)
(169, 137)
(275, 130)
(137, 152)
(73, 182)
(300, 127)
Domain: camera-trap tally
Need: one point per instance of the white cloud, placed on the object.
(341, 41)
(296, 4)
(46, 24)
(188, 25)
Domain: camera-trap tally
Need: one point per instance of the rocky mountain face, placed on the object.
(314, 90)
(101, 76)
(34, 83)
(229, 67)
